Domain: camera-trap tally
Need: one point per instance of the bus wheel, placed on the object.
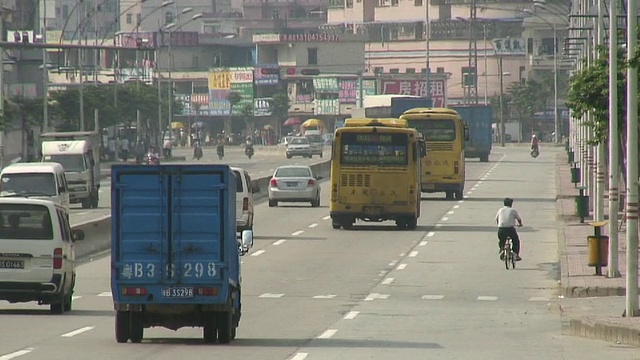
(449, 195)
(411, 223)
(458, 194)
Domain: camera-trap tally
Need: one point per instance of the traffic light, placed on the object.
(310, 72)
(270, 71)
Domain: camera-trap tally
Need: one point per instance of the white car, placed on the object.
(37, 255)
(244, 199)
(294, 183)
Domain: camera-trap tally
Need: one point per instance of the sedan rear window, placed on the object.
(25, 222)
(293, 172)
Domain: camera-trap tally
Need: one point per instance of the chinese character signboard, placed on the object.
(262, 78)
(368, 87)
(262, 106)
(417, 88)
(349, 90)
(241, 75)
(219, 85)
(326, 85)
(295, 37)
(509, 46)
(246, 94)
(327, 107)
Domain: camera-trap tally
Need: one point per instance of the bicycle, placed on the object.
(508, 254)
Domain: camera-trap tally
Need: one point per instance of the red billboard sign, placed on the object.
(417, 88)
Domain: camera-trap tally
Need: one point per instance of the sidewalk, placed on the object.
(602, 318)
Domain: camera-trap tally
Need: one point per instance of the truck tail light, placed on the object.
(311, 183)
(245, 204)
(273, 183)
(134, 291)
(57, 258)
(456, 167)
(207, 291)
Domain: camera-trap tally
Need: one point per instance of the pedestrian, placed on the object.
(124, 149)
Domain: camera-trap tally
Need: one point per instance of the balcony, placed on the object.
(459, 30)
(478, 2)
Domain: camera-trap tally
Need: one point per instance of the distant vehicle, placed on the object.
(35, 180)
(37, 256)
(294, 183)
(299, 146)
(244, 199)
(316, 143)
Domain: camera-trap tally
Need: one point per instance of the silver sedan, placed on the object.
(294, 183)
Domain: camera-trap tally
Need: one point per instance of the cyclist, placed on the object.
(507, 218)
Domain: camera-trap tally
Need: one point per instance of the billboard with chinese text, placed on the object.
(417, 88)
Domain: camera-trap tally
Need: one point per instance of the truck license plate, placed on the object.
(177, 292)
(11, 264)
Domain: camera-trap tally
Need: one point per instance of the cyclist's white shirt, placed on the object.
(507, 217)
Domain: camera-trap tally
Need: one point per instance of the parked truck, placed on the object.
(478, 119)
(175, 255)
(79, 154)
(389, 106)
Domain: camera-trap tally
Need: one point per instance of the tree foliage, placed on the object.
(280, 106)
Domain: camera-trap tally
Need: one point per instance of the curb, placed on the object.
(622, 333)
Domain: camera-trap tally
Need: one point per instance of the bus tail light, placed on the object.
(311, 183)
(57, 258)
(245, 204)
(134, 291)
(273, 183)
(456, 167)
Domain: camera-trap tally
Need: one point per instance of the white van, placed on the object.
(37, 256)
(244, 199)
(36, 180)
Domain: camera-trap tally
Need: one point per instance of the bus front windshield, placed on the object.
(435, 130)
(70, 163)
(374, 149)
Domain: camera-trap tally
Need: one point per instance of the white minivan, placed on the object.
(45, 180)
(244, 199)
(37, 255)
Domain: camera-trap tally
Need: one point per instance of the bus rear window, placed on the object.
(435, 130)
(374, 149)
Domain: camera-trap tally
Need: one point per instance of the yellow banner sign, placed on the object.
(220, 80)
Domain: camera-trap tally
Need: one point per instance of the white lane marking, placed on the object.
(438, 225)
(271, 296)
(351, 315)
(374, 296)
(73, 298)
(487, 298)
(393, 263)
(479, 182)
(105, 294)
(469, 192)
(444, 219)
(258, 253)
(328, 334)
(15, 354)
(401, 266)
(432, 297)
(539, 298)
(297, 233)
(451, 212)
(299, 356)
(402, 254)
(313, 225)
(279, 242)
(431, 233)
(324, 296)
(456, 206)
(78, 332)
(413, 254)
(423, 243)
(460, 201)
(326, 217)
(387, 281)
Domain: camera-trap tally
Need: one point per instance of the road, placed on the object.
(262, 164)
(311, 292)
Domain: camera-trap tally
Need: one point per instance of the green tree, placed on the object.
(246, 113)
(280, 110)
(527, 99)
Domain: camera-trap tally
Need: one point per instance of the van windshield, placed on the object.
(42, 184)
(70, 163)
(25, 221)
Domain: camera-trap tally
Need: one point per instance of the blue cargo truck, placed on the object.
(479, 119)
(175, 255)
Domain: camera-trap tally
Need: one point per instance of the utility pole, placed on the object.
(45, 72)
(600, 148)
(1, 89)
(614, 171)
(80, 65)
(427, 24)
(632, 162)
(501, 102)
(361, 90)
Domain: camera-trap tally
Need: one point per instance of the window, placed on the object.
(275, 15)
(417, 2)
(65, 11)
(374, 149)
(239, 186)
(63, 221)
(312, 56)
(24, 221)
(293, 171)
(444, 12)
(378, 70)
(138, 19)
(410, 70)
(435, 130)
(349, 3)
(129, 18)
(168, 17)
(394, 2)
(43, 184)
(394, 71)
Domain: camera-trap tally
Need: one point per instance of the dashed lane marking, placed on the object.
(105, 294)
(456, 206)
(313, 225)
(351, 315)
(387, 281)
(16, 354)
(432, 297)
(299, 356)
(539, 298)
(423, 243)
(374, 296)
(279, 242)
(326, 217)
(444, 219)
(413, 254)
(258, 253)
(328, 334)
(451, 212)
(431, 233)
(401, 266)
(487, 298)
(78, 332)
(271, 296)
(393, 263)
(73, 298)
(438, 225)
(324, 296)
(297, 233)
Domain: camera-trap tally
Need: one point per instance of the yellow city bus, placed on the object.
(375, 174)
(391, 122)
(444, 131)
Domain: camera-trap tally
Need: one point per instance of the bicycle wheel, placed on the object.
(513, 260)
(507, 258)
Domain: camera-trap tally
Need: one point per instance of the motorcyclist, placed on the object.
(197, 150)
(152, 157)
(534, 144)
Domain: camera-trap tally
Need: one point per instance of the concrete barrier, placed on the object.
(320, 169)
(97, 236)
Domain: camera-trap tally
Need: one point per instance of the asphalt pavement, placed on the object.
(262, 164)
(311, 292)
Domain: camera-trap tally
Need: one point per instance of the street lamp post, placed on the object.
(502, 127)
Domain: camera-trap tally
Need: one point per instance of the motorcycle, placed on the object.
(248, 151)
(197, 153)
(220, 151)
(151, 159)
(534, 152)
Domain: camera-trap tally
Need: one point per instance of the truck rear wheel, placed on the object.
(210, 331)
(484, 158)
(225, 326)
(95, 200)
(122, 326)
(136, 329)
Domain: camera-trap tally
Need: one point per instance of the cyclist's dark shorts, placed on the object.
(505, 232)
